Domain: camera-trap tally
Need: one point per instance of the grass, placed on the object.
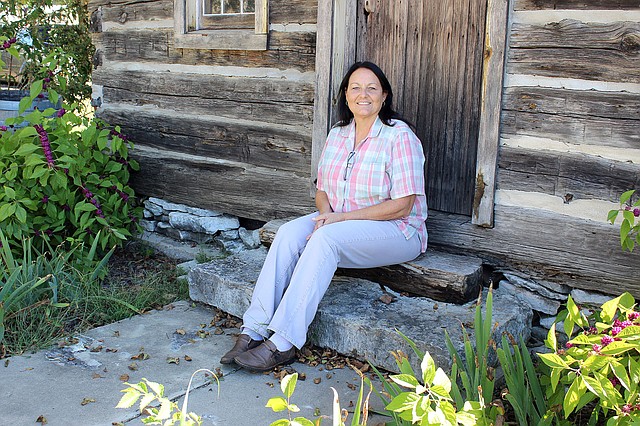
(135, 280)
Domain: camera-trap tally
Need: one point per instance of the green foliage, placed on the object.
(288, 386)
(64, 178)
(22, 280)
(53, 40)
(159, 409)
(524, 391)
(74, 295)
(600, 364)
(630, 226)
(428, 400)
(474, 372)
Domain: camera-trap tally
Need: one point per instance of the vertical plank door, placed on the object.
(431, 51)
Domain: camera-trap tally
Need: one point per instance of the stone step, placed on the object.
(435, 274)
(353, 320)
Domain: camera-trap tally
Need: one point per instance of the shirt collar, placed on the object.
(350, 130)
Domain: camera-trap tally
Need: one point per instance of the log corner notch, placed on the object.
(490, 105)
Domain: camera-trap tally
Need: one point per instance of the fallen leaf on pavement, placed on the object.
(87, 401)
(42, 420)
(141, 356)
(317, 380)
(173, 360)
(187, 358)
(124, 378)
(181, 331)
(133, 366)
(111, 350)
(97, 376)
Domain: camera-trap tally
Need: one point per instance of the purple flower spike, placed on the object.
(60, 112)
(636, 212)
(615, 330)
(45, 199)
(596, 348)
(4, 128)
(46, 145)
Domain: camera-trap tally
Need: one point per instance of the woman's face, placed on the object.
(364, 94)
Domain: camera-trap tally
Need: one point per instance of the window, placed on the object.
(221, 24)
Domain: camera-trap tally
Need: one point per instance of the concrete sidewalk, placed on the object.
(80, 383)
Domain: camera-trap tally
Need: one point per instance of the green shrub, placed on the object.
(64, 178)
(599, 365)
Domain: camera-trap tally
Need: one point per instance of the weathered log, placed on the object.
(575, 4)
(294, 50)
(574, 103)
(549, 246)
(437, 275)
(235, 188)
(280, 11)
(574, 49)
(253, 143)
(588, 130)
(572, 176)
(208, 86)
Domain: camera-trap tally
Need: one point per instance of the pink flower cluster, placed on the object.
(46, 145)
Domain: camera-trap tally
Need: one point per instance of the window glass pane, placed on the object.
(212, 7)
(249, 6)
(231, 6)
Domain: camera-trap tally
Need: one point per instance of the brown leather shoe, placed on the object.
(243, 344)
(264, 357)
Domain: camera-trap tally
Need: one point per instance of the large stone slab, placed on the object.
(435, 274)
(351, 317)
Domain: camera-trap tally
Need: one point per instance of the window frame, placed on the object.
(227, 37)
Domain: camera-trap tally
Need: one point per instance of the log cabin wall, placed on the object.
(569, 146)
(219, 129)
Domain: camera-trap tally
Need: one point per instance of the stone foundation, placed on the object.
(197, 226)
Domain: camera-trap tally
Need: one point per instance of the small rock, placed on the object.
(153, 207)
(534, 300)
(167, 206)
(148, 225)
(582, 297)
(251, 239)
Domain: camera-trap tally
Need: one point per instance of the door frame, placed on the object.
(336, 51)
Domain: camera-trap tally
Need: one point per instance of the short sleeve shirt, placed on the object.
(389, 164)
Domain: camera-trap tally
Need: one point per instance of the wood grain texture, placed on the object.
(574, 103)
(572, 176)
(280, 11)
(576, 4)
(252, 143)
(294, 50)
(553, 247)
(588, 130)
(490, 104)
(432, 54)
(246, 191)
(573, 49)
(132, 11)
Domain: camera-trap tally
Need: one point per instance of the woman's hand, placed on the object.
(325, 219)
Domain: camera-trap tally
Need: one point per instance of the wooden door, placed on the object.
(432, 53)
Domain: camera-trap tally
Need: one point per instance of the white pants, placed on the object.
(297, 272)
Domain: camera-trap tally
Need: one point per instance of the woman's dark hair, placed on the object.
(386, 112)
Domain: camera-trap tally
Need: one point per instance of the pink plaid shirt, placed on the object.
(389, 164)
